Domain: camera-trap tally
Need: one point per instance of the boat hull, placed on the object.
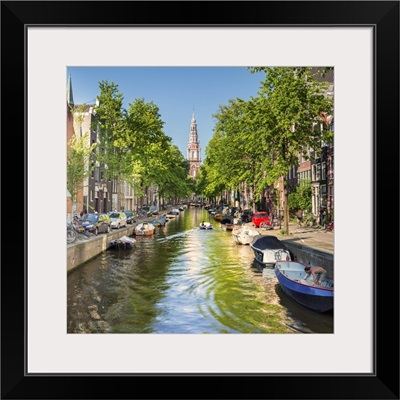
(145, 233)
(316, 298)
(144, 229)
(268, 250)
(206, 226)
(160, 221)
(243, 234)
(123, 242)
(218, 217)
(229, 227)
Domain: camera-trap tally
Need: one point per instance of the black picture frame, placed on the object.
(383, 383)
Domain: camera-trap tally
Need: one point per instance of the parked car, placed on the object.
(246, 215)
(96, 223)
(260, 220)
(118, 219)
(130, 216)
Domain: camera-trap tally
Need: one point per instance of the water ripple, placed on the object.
(182, 280)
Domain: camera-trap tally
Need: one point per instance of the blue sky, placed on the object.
(177, 91)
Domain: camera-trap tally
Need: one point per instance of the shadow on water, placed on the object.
(183, 280)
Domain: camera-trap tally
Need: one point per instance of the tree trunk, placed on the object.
(285, 207)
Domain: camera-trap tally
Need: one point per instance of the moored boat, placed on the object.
(230, 226)
(124, 242)
(269, 249)
(292, 279)
(243, 234)
(173, 213)
(160, 221)
(144, 229)
(218, 216)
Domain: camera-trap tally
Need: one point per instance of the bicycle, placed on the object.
(71, 233)
(277, 222)
(76, 232)
(82, 234)
(266, 226)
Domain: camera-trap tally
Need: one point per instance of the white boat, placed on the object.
(173, 213)
(243, 234)
(144, 229)
(206, 225)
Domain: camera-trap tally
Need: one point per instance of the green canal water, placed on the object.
(184, 280)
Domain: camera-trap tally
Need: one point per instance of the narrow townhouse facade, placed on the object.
(97, 190)
(72, 208)
(322, 165)
(70, 133)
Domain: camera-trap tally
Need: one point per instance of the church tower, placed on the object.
(193, 150)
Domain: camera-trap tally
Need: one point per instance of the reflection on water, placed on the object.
(183, 280)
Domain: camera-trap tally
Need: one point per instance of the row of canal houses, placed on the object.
(99, 194)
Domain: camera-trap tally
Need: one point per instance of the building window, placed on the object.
(323, 175)
(323, 195)
(318, 172)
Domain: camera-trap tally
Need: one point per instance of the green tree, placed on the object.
(111, 129)
(79, 152)
(147, 145)
(133, 146)
(289, 108)
(173, 179)
(301, 197)
(231, 158)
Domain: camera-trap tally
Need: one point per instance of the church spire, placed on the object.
(70, 97)
(193, 149)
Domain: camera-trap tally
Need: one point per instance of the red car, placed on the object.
(260, 220)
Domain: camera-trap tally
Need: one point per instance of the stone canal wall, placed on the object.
(84, 250)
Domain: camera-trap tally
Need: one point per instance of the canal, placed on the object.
(184, 280)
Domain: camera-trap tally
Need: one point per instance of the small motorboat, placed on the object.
(173, 213)
(124, 242)
(269, 249)
(292, 279)
(206, 225)
(218, 216)
(243, 234)
(230, 226)
(144, 229)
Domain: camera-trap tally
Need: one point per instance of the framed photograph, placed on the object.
(360, 360)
